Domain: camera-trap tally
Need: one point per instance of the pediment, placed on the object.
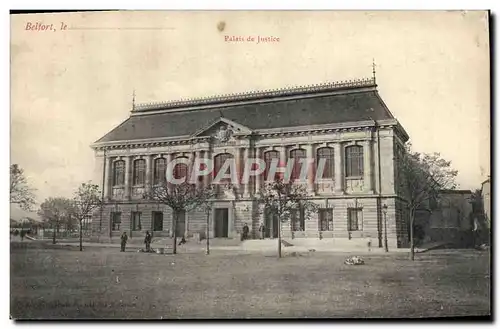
(222, 129)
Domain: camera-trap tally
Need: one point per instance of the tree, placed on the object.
(20, 192)
(181, 197)
(86, 200)
(55, 211)
(281, 198)
(423, 177)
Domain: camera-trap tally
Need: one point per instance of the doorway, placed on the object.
(180, 227)
(221, 223)
(157, 221)
(271, 225)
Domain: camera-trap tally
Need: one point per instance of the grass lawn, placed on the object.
(104, 283)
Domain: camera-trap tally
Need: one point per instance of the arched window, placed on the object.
(219, 161)
(118, 173)
(268, 158)
(297, 155)
(160, 169)
(327, 154)
(180, 170)
(354, 161)
(139, 172)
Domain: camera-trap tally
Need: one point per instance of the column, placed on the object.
(149, 173)
(246, 156)
(127, 177)
(310, 168)
(338, 152)
(168, 160)
(107, 177)
(367, 166)
(282, 162)
(238, 168)
(207, 178)
(258, 178)
(191, 158)
(197, 158)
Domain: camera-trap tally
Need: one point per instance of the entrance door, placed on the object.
(221, 217)
(157, 221)
(271, 226)
(181, 224)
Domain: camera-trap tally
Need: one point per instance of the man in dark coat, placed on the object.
(124, 239)
(147, 241)
(246, 230)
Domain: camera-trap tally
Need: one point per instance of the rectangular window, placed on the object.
(136, 221)
(326, 219)
(139, 172)
(354, 161)
(116, 221)
(354, 216)
(297, 219)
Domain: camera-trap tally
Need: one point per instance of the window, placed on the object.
(136, 221)
(219, 160)
(353, 219)
(139, 172)
(157, 221)
(268, 158)
(160, 169)
(180, 170)
(297, 219)
(354, 161)
(297, 155)
(327, 154)
(119, 173)
(116, 221)
(326, 219)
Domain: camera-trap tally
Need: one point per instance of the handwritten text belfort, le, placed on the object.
(42, 27)
(255, 39)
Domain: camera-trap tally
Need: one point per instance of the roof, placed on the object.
(282, 108)
(18, 214)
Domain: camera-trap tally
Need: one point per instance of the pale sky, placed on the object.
(70, 87)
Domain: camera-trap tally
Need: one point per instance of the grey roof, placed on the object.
(355, 104)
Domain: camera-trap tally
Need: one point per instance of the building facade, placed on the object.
(346, 123)
(486, 196)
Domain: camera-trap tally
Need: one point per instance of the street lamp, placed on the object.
(384, 210)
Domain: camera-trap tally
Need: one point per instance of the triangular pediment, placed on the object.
(222, 128)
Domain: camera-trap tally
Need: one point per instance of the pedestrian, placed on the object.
(245, 232)
(183, 241)
(124, 239)
(147, 241)
(262, 231)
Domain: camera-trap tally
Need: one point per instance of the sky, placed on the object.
(70, 86)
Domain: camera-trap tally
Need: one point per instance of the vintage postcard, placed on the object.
(250, 165)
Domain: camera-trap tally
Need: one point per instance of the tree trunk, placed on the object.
(53, 235)
(208, 233)
(81, 237)
(412, 245)
(279, 237)
(174, 225)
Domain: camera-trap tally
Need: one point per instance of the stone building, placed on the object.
(347, 123)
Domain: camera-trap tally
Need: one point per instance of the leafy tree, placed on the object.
(56, 211)
(281, 198)
(86, 200)
(422, 177)
(181, 197)
(20, 192)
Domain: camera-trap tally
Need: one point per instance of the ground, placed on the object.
(62, 282)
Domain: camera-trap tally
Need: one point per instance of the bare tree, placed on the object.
(280, 199)
(422, 177)
(180, 198)
(20, 191)
(86, 200)
(55, 211)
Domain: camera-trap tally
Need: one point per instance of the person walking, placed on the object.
(262, 231)
(124, 239)
(147, 241)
